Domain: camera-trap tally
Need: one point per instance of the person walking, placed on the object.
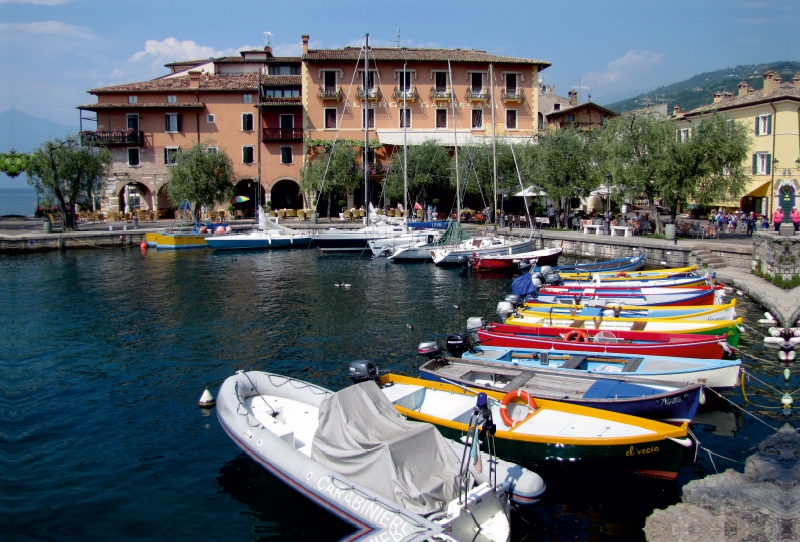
(795, 216)
(750, 221)
(551, 215)
(777, 218)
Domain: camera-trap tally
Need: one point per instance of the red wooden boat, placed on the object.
(593, 340)
(510, 262)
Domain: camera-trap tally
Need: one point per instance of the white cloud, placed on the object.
(631, 65)
(37, 2)
(16, 31)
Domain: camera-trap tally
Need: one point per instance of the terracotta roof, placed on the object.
(187, 62)
(162, 105)
(282, 80)
(280, 101)
(752, 98)
(274, 59)
(580, 106)
(247, 81)
(399, 54)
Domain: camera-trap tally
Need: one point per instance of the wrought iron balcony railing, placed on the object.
(441, 94)
(409, 95)
(372, 95)
(477, 95)
(516, 95)
(281, 134)
(113, 137)
(330, 93)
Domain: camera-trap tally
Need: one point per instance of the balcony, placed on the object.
(441, 94)
(373, 94)
(117, 137)
(281, 134)
(409, 95)
(330, 93)
(477, 95)
(515, 95)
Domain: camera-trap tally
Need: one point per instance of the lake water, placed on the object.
(105, 353)
(17, 200)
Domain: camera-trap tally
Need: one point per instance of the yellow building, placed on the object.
(773, 117)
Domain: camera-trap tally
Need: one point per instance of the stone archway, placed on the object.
(134, 195)
(285, 194)
(248, 188)
(166, 207)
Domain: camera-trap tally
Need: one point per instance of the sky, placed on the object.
(53, 51)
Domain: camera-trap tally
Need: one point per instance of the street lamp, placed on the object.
(607, 218)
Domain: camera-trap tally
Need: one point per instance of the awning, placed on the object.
(758, 189)
(530, 192)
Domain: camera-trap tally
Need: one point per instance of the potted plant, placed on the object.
(314, 214)
(342, 204)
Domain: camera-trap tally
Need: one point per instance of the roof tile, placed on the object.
(247, 81)
(752, 98)
(399, 54)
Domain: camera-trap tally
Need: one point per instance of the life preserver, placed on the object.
(577, 336)
(510, 396)
(621, 274)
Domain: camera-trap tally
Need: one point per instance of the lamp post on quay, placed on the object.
(607, 214)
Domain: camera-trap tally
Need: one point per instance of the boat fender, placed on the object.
(143, 246)
(510, 396)
(577, 336)
(206, 400)
(621, 274)
(702, 395)
(685, 442)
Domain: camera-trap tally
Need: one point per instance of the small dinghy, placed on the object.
(539, 431)
(664, 401)
(353, 454)
(513, 262)
(725, 311)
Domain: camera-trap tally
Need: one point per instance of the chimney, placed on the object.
(772, 82)
(194, 79)
(573, 98)
(676, 110)
(727, 95)
(268, 50)
(305, 44)
(717, 97)
(744, 88)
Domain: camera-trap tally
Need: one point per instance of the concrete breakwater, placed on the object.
(761, 504)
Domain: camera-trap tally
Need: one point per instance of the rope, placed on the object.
(762, 360)
(742, 409)
(776, 390)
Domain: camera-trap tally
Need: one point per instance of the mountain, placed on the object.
(699, 90)
(25, 133)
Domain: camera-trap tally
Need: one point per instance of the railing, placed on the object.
(440, 94)
(281, 134)
(372, 94)
(516, 95)
(329, 93)
(477, 95)
(121, 137)
(409, 94)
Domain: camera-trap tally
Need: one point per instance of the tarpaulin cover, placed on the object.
(523, 285)
(364, 438)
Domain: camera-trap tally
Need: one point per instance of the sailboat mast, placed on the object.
(405, 88)
(366, 127)
(494, 148)
(455, 139)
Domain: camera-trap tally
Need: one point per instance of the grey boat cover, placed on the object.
(364, 438)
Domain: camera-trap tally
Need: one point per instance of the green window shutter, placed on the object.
(179, 121)
(769, 125)
(769, 164)
(757, 125)
(755, 164)
(166, 128)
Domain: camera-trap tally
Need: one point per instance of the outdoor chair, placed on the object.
(238, 215)
(223, 215)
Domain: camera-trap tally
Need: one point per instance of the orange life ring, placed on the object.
(621, 274)
(510, 396)
(577, 336)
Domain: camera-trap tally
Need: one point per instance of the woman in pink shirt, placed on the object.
(795, 216)
(777, 218)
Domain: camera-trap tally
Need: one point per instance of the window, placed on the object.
(133, 99)
(248, 155)
(570, 118)
(370, 157)
(282, 92)
(556, 107)
(369, 114)
(173, 123)
(247, 122)
(511, 83)
(511, 119)
(762, 163)
(172, 99)
(477, 82)
(370, 81)
(132, 122)
(247, 98)
(329, 80)
(211, 119)
(286, 155)
(286, 121)
(477, 119)
(683, 135)
(284, 70)
(764, 125)
(603, 119)
(405, 118)
(330, 118)
(441, 81)
(171, 155)
(133, 156)
(404, 81)
(441, 118)
(212, 150)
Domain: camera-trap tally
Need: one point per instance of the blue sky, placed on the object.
(52, 51)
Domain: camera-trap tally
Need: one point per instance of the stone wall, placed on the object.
(776, 256)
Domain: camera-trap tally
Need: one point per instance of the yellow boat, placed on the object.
(681, 312)
(167, 240)
(636, 275)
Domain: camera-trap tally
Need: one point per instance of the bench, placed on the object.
(542, 221)
(598, 228)
(626, 231)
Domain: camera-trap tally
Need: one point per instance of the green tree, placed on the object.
(68, 171)
(429, 166)
(201, 177)
(13, 163)
(333, 170)
(477, 169)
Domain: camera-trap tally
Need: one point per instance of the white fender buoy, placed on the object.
(206, 400)
(786, 400)
(787, 374)
(739, 293)
(702, 396)
(685, 442)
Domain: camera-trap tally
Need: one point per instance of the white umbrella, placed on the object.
(530, 192)
(604, 191)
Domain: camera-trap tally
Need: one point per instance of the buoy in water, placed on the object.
(787, 374)
(143, 245)
(206, 400)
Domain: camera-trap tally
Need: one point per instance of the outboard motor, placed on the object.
(553, 279)
(504, 310)
(538, 275)
(546, 270)
(458, 344)
(429, 349)
(514, 299)
(362, 370)
(537, 282)
(475, 323)
(483, 420)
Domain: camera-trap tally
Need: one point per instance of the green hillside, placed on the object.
(700, 89)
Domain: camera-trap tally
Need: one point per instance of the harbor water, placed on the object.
(104, 355)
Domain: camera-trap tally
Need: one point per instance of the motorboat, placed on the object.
(353, 454)
(453, 235)
(269, 235)
(415, 237)
(480, 247)
(609, 295)
(725, 311)
(613, 266)
(511, 262)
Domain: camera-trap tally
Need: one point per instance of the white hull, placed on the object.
(479, 246)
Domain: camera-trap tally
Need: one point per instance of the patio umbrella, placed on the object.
(530, 192)
(240, 199)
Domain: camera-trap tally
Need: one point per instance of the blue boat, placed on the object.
(633, 263)
(663, 401)
(269, 236)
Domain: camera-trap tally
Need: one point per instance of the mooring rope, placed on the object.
(742, 409)
(747, 354)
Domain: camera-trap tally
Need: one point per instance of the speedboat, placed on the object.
(269, 235)
(353, 454)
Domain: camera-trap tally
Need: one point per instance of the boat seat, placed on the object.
(519, 380)
(573, 362)
(632, 365)
(405, 395)
(638, 326)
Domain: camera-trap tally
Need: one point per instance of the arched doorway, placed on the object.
(285, 194)
(166, 207)
(248, 188)
(134, 196)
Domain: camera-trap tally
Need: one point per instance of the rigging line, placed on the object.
(751, 356)
(776, 390)
(742, 409)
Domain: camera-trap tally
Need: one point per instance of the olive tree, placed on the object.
(429, 167)
(332, 170)
(201, 177)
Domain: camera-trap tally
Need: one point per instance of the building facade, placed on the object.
(772, 115)
(264, 111)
